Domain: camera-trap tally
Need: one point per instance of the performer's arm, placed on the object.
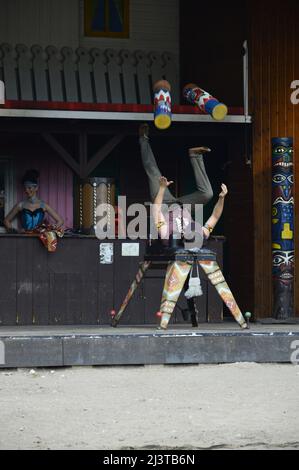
(59, 220)
(217, 212)
(10, 216)
(159, 218)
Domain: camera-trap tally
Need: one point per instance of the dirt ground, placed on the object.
(229, 406)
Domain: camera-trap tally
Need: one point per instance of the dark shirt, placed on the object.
(181, 232)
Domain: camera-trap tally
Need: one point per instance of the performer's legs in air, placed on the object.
(150, 166)
(203, 192)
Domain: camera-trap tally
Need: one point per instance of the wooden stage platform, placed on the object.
(54, 346)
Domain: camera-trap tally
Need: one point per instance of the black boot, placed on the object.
(192, 308)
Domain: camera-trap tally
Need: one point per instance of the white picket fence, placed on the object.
(88, 76)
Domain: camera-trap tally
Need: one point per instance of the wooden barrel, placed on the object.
(90, 194)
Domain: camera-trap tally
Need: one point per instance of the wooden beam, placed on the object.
(129, 128)
(103, 152)
(61, 152)
(83, 154)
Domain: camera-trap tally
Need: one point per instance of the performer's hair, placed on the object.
(31, 175)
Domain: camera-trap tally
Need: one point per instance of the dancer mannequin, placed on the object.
(32, 210)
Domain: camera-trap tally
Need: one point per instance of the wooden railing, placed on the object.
(86, 76)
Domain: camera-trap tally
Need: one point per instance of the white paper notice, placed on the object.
(130, 249)
(106, 253)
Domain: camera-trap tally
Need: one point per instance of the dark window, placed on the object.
(106, 18)
(7, 189)
(2, 191)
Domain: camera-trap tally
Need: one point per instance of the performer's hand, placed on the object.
(164, 183)
(224, 191)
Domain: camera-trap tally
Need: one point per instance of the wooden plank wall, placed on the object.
(211, 39)
(153, 24)
(71, 286)
(238, 221)
(274, 64)
(40, 22)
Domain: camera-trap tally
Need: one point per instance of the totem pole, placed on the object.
(282, 227)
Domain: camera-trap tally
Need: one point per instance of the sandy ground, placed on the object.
(242, 405)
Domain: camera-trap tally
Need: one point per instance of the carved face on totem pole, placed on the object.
(282, 226)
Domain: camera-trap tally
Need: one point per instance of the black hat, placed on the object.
(31, 176)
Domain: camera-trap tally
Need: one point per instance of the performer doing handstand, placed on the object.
(173, 223)
(178, 270)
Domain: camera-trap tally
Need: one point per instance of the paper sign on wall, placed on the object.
(106, 253)
(130, 249)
